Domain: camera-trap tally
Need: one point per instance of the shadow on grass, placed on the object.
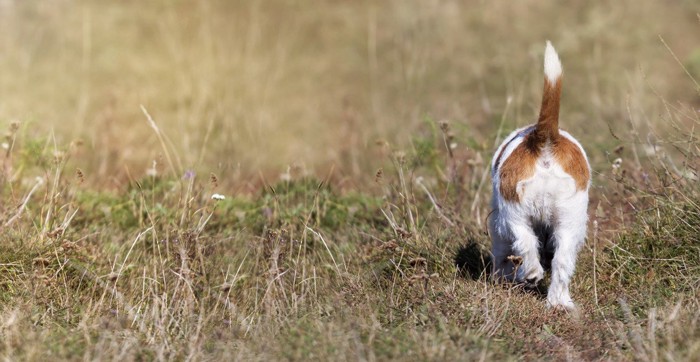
(473, 261)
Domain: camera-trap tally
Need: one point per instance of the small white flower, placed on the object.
(617, 163)
(152, 171)
(5, 146)
(218, 197)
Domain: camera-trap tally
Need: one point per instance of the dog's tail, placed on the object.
(547, 127)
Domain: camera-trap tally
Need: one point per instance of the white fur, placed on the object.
(548, 199)
(552, 65)
(551, 213)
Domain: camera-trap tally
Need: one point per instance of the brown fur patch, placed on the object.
(572, 160)
(497, 164)
(500, 154)
(548, 121)
(519, 165)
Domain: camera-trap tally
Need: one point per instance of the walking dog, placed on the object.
(540, 177)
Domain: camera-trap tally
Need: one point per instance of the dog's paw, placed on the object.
(535, 277)
(531, 273)
(561, 303)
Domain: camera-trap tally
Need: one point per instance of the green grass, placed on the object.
(301, 271)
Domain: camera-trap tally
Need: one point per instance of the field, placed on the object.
(350, 143)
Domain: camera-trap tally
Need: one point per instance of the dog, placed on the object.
(541, 178)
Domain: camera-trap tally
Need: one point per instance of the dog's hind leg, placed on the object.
(526, 245)
(569, 235)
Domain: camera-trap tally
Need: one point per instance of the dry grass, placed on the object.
(351, 140)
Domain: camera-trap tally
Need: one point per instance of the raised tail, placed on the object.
(547, 127)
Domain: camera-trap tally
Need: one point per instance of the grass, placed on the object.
(352, 144)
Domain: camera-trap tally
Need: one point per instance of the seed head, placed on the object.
(445, 126)
(400, 157)
(58, 156)
(516, 260)
(378, 176)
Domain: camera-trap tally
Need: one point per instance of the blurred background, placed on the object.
(249, 88)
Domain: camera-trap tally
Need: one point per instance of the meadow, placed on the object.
(287, 180)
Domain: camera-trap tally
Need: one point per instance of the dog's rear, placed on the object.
(540, 182)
